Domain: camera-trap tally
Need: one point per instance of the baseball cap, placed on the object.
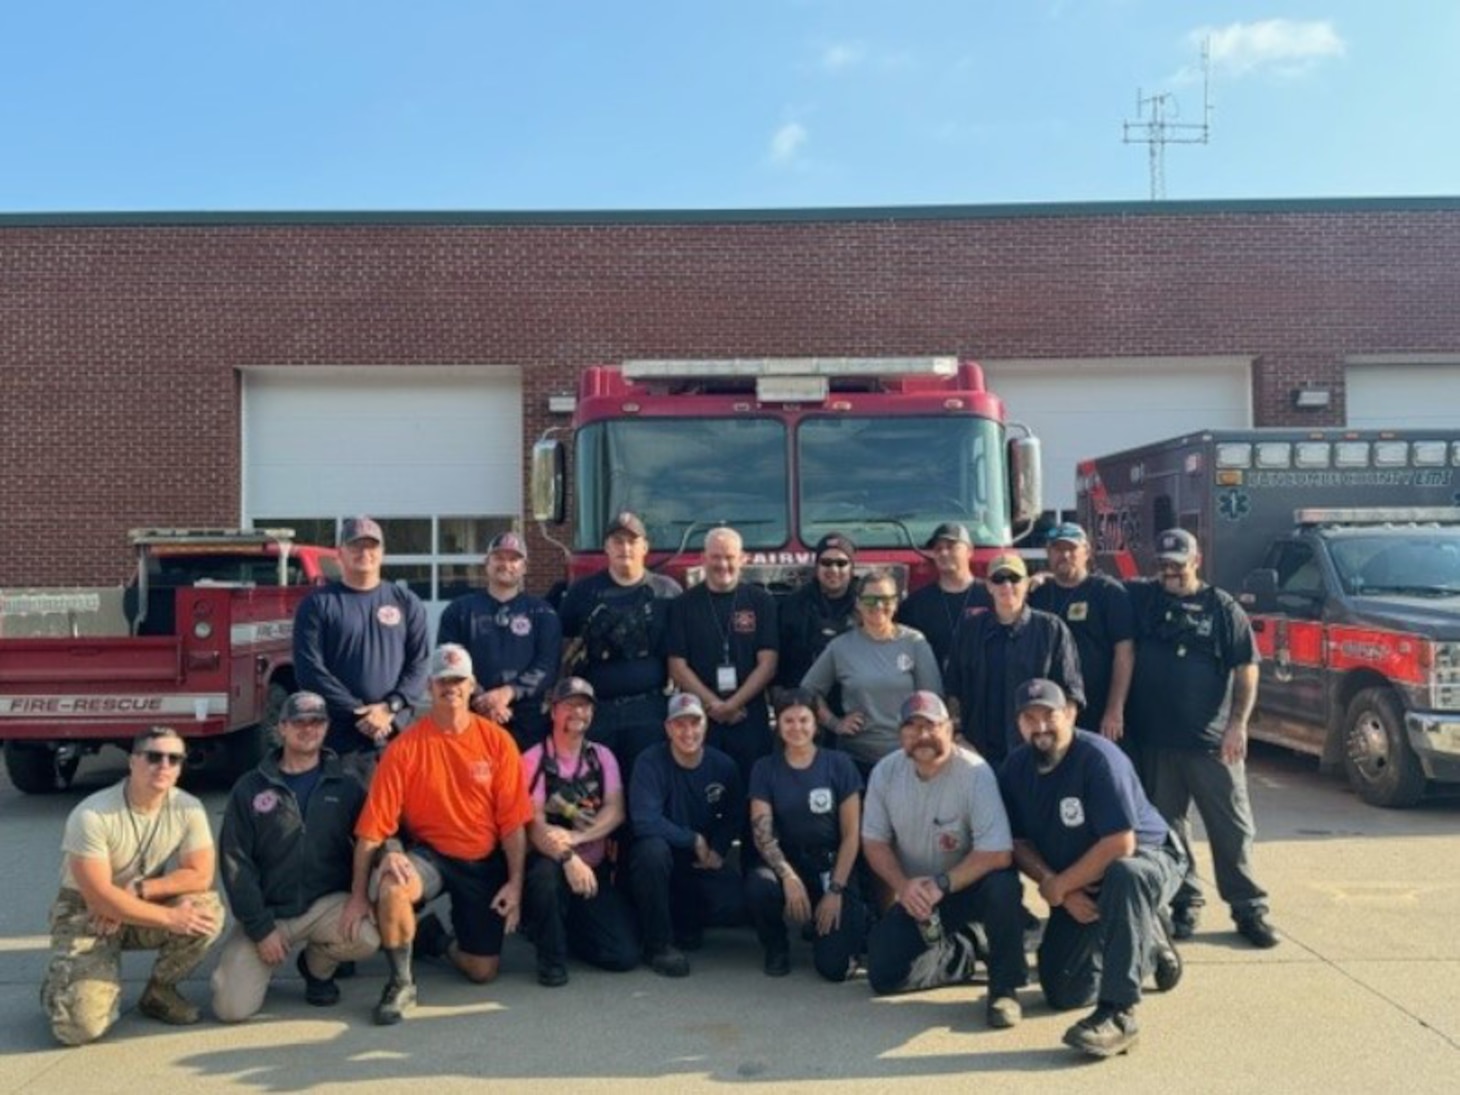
(1008, 562)
(507, 541)
(682, 704)
(450, 661)
(1176, 545)
(360, 528)
(949, 530)
(569, 687)
(1069, 532)
(925, 705)
(1040, 693)
(836, 541)
(626, 522)
(305, 707)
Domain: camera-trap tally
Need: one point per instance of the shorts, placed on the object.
(471, 884)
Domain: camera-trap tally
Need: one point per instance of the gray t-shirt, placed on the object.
(138, 845)
(875, 676)
(933, 824)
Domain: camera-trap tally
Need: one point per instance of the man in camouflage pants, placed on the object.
(118, 894)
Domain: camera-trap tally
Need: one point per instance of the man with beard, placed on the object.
(1103, 859)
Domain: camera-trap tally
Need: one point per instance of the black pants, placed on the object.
(1107, 960)
(899, 960)
(598, 930)
(745, 741)
(675, 898)
(831, 954)
(628, 725)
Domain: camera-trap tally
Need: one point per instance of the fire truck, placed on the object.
(200, 639)
(786, 450)
(1344, 546)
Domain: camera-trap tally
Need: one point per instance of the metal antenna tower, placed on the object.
(1158, 130)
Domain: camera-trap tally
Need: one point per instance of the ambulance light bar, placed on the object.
(1386, 515)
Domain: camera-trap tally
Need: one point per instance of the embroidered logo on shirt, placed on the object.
(819, 801)
(521, 626)
(1080, 610)
(947, 841)
(904, 663)
(1072, 813)
(265, 801)
(714, 792)
(388, 615)
(744, 622)
(481, 771)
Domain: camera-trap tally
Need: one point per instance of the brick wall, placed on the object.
(120, 338)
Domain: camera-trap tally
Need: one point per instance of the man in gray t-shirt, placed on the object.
(934, 830)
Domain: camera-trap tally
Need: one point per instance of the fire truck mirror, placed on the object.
(1259, 590)
(549, 465)
(1026, 494)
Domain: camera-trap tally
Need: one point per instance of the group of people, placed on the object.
(642, 763)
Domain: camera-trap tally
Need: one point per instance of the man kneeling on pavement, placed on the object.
(1104, 860)
(453, 782)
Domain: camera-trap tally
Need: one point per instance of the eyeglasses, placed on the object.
(1005, 580)
(834, 564)
(877, 601)
(159, 758)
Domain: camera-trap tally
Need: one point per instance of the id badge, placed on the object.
(726, 682)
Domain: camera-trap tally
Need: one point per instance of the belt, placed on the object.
(629, 699)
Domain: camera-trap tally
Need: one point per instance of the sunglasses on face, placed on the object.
(1005, 580)
(834, 564)
(160, 758)
(877, 601)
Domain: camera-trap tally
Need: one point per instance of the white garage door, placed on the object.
(1079, 408)
(1404, 393)
(433, 454)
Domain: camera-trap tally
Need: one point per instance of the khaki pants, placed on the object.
(242, 978)
(82, 991)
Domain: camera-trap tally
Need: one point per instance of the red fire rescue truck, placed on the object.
(1344, 545)
(200, 640)
(786, 450)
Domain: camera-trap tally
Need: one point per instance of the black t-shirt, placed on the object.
(805, 802)
(809, 619)
(1092, 793)
(1186, 650)
(709, 630)
(1098, 614)
(623, 630)
(937, 613)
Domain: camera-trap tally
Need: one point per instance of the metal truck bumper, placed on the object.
(1435, 738)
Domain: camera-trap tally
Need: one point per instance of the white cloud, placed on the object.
(786, 142)
(843, 55)
(1281, 46)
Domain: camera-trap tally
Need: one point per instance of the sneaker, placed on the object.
(322, 992)
(1184, 920)
(552, 975)
(1003, 1011)
(165, 1004)
(669, 961)
(395, 1001)
(1257, 931)
(1167, 957)
(777, 963)
(432, 939)
(1105, 1032)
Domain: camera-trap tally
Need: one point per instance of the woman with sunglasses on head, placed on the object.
(806, 817)
(877, 666)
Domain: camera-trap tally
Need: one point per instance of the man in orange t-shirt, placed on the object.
(453, 784)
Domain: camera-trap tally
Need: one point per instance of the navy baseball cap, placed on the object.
(1040, 693)
(360, 528)
(836, 541)
(1176, 545)
(949, 530)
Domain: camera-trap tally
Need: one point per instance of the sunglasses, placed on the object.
(1005, 580)
(875, 601)
(834, 564)
(160, 758)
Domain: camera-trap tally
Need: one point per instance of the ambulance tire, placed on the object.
(1377, 758)
(34, 770)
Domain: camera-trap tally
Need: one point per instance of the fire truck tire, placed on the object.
(34, 769)
(243, 749)
(1379, 763)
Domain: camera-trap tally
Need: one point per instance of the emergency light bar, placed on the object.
(1388, 515)
(222, 535)
(790, 366)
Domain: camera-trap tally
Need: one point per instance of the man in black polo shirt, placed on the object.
(937, 609)
(1104, 861)
(819, 611)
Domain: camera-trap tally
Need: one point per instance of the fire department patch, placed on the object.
(947, 842)
(481, 771)
(819, 801)
(744, 622)
(1080, 610)
(265, 802)
(388, 615)
(520, 626)
(1072, 813)
(904, 663)
(714, 793)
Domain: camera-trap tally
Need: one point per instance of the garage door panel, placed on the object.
(1403, 396)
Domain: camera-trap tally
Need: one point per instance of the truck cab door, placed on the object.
(1291, 635)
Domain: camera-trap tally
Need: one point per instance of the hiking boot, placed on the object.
(322, 992)
(777, 963)
(1257, 931)
(432, 939)
(669, 961)
(165, 1004)
(552, 975)
(1003, 1011)
(1167, 957)
(395, 1001)
(1105, 1032)
(1184, 919)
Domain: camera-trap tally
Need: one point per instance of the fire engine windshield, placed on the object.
(683, 476)
(888, 481)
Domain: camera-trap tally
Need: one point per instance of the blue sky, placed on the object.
(694, 104)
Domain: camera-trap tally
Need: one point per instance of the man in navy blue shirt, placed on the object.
(514, 640)
(1105, 862)
(362, 644)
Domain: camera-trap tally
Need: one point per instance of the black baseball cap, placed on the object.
(1040, 692)
(949, 530)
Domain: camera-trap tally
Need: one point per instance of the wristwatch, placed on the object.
(395, 703)
(569, 854)
(835, 887)
(943, 882)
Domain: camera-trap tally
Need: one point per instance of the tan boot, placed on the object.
(165, 1004)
